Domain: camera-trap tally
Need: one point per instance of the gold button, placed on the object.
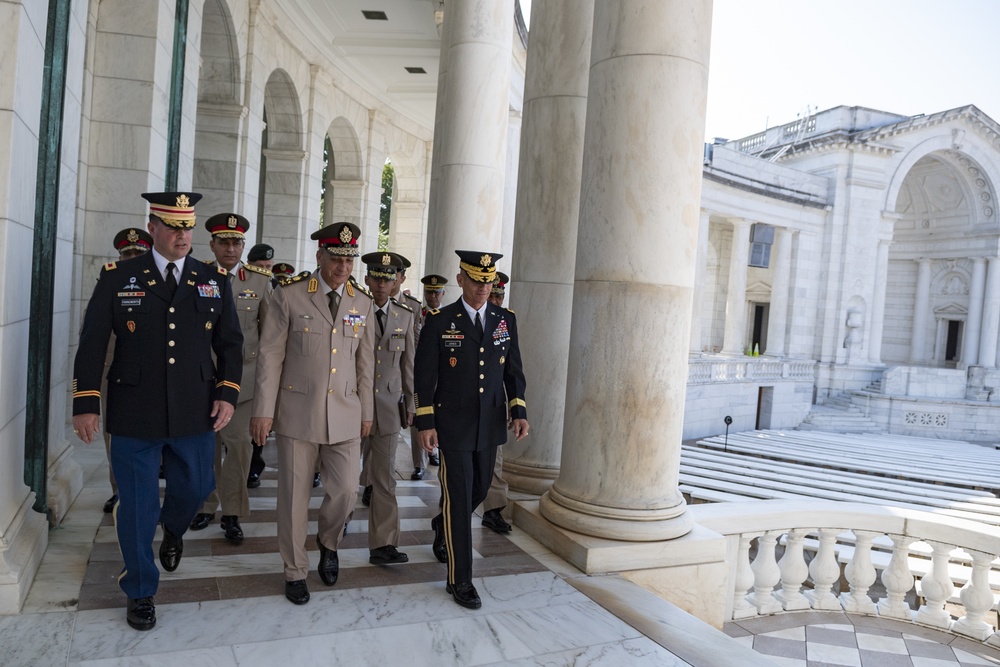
(172, 326)
(333, 370)
(376, 391)
(335, 330)
(481, 376)
(170, 310)
(378, 375)
(335, 350)
(289, 386)
(378, 361)
(170, 360)
(481, 350)
(378, 347)
(481, 362)
(130, 310)
(330, 392)
(481, 390)
(171, 343)
(306, 329)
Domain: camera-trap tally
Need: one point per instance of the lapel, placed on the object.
(186, 286)
(322, 302)
(150, 276)
(390, 316)
(492, 320)
(464, 323)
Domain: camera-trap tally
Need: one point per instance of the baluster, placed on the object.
(860, 575)
(936, 587)
(977, 598)
(793, 572)
(824, 571)
(743, 580)
(897, 580)
(766, 575)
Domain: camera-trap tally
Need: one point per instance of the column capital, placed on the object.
(740, 222)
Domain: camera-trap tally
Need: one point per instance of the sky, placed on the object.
(771, 59)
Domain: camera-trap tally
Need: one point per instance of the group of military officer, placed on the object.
(205, 355)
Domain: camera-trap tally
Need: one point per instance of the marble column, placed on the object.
(472, 147)
(545, 229)
(433, 193)
(918, 335)
(977, 288)
(781, 265)
(736, 295)
(701, 263)
(635, 262)
(878, 303)
(991, 315)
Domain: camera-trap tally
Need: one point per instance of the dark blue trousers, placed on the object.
(188, 467)
(465, 480)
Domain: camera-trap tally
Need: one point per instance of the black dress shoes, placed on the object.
(434, 460)
(171, 549)
(296, 591)
(329, 565)
(438, 547)
(109, 504)
(495, 522)
(253, 481)
(465, 594)
(231, 524)
(316, 481)
(418, 473)
(366, 496)
(141, 613)
(201, 521)
(387, 555)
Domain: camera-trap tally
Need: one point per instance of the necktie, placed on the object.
(171, 279)
(380, 314)
(334, 304)
(479, 325)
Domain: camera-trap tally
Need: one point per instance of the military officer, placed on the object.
(394, 349)
(233, 449)
(261, 256)
(496, 497)
(467, 361)
(314, 386)
(283, 271)
(166, 396)
(433, 290)
(130, 242)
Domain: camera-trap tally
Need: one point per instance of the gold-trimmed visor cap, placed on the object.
(478, 265)
(340, 238)
(227, 226)
(175, 209)
(383, 265)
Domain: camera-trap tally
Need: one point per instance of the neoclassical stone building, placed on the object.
(855, 250)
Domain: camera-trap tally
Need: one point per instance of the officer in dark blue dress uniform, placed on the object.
(166, 395)
(468, 379)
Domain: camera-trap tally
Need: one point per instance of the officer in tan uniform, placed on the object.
(314, 387)
(252, 292)
(394, 349)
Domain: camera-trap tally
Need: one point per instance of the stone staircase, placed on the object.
(838, 415)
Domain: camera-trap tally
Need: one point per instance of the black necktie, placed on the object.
(479, 324)
(380, 314)
(171, 279)
(334, 303)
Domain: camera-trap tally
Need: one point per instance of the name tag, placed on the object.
(452, 344)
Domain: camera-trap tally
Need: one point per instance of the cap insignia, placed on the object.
(386, 260)
(183, 201)
(434, 281)
(132, 236)
(485, 260)
(346, 235)
(232, 222)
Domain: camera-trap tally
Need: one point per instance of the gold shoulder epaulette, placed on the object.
(359, 287)
(210, 262)
(222, 271)
(111, 266)
(509, 310)
(433, 311)
(294, 279)
(257, 269)
(313, 286)
(402, 305)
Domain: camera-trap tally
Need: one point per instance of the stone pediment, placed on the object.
(758, 288)
(951, 309)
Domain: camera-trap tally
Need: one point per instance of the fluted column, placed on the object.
(781, 286)
(471, 150)
(736, 296)
(641, 192)
(991, 315)
(701, 264)
(918, 335)
(877, 315)
(545, 229)
(977, 288)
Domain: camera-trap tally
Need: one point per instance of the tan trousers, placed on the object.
(496, 497)
(379, 463)
(416, 451)
(340, 465)
(232, 465)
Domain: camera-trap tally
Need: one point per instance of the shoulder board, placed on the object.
(359, 287)
(402, 305)
(257, 269)
(509, 310)
(433, 311)
(313, 285)
(412, 298)
(294, 279)
(222, 271)
(210, 262)
(110, 266)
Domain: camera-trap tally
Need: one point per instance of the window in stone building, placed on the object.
(761, 240)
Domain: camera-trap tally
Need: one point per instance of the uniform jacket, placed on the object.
(465, 385)
(319, 370)
(394, 351)
(252, 293)
(162, 380)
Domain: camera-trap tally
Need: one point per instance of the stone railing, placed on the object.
(707, 370)
(910, 548)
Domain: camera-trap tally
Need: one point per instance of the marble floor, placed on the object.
(225, 606)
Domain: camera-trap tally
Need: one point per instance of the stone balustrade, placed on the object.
(708, 370)
(955, 552)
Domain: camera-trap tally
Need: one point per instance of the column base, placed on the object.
(64, 483)
(26, 538)
(614, 523)
(529, 479)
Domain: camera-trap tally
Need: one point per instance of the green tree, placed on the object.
(327, 153)
(388, 180)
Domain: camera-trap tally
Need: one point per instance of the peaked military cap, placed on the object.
(433, 282)
(259, 252)
(227, 226)
(132, 238)
(500, 284)
(175, 209)
(383, 264)
(478, 265)
(282, 269)
(340, 238)
(404, 263)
